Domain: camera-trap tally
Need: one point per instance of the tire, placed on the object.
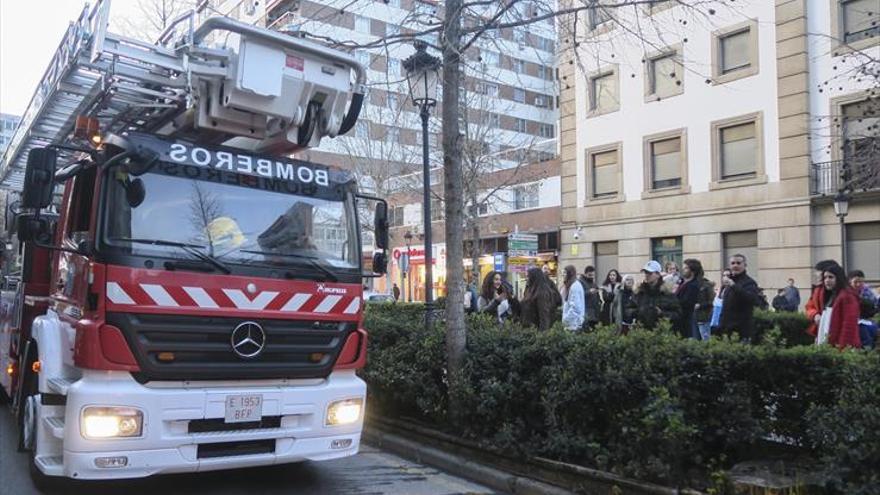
(29, 384)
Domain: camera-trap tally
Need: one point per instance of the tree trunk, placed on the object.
(476, 248)
(453, 196)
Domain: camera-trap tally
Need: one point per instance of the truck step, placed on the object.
(55, 425)
(60, 385)
(50, 465)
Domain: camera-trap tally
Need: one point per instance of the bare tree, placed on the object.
(204, 208)
(150, 17)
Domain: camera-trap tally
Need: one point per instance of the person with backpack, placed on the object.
(592, 300)
(572, 300)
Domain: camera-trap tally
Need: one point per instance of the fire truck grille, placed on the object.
(175, 347)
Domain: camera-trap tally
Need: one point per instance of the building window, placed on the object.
(666, 249)
(526, 196)
(665, 76)
(543, 71)
(598, 15)
(520, 125)
(363, 57)
(744, 243)
(393, 134)
(860, 20)
(362, 129)
(737, 148)
(519, 35)
(861, 132)
(361, 24)
(494, 120)
(491, 59)
(391, 101)
(547, 44)
(665, 162)
(392, 29)
(519, 95)
(605, 254)
(604, 173)
(436, 210)
(396, 216)
(735, 52)
(519, 66)
(862, 246)
(393, 67)
(492, 90)
(546, 131)
(393, 3)
(541, 101)
(603, 93)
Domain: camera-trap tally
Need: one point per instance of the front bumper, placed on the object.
(167, 446)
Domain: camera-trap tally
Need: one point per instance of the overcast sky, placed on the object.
(30, 31)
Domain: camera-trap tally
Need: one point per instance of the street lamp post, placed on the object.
(422, 75)
(407, 237)
(841, 209)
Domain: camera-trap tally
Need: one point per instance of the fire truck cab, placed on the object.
(195, 303)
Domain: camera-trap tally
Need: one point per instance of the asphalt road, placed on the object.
(370, 472)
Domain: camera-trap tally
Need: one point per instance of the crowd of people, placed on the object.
(840, 306)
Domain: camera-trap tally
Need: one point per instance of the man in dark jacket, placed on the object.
(654, 300)
(739, 300)
(592, 303)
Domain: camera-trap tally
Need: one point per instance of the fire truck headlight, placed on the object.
(112, 422)
(344, 412)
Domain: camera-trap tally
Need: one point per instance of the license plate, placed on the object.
(244, 408)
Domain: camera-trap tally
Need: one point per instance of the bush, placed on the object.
(648, 405)
(792, 326)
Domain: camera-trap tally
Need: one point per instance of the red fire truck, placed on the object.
(190, 296)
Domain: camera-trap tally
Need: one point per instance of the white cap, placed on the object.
(652, 267)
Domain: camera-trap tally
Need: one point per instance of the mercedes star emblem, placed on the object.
(248, 339)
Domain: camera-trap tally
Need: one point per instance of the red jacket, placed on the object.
(844, 331)
(814, 307)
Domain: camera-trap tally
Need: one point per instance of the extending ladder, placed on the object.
(262, 91)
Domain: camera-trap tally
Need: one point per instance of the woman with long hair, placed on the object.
(606, 295)
(621, 314)
(538, 305)
(839, 319)
(688, 292)
(573, 307)
(491, 283)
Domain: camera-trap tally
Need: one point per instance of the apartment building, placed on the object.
(511, 121)
(8, 123)
(706, 134)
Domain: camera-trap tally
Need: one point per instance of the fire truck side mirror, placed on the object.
(380, 263)
(39, 178)
(380, 225)
(31, 228)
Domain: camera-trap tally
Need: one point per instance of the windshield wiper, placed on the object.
(310, 259)
(192, 249)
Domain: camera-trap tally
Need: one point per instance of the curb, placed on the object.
(460, 466)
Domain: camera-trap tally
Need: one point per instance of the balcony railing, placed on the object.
(827, 178)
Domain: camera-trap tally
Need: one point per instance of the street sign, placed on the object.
(522, 244)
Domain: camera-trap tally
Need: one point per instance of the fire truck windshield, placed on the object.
(230, 218)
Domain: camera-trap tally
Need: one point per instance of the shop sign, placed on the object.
(499, 262)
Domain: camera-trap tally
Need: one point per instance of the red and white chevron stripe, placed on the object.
(143, 294)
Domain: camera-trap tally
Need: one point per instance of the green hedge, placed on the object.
(649, 405)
